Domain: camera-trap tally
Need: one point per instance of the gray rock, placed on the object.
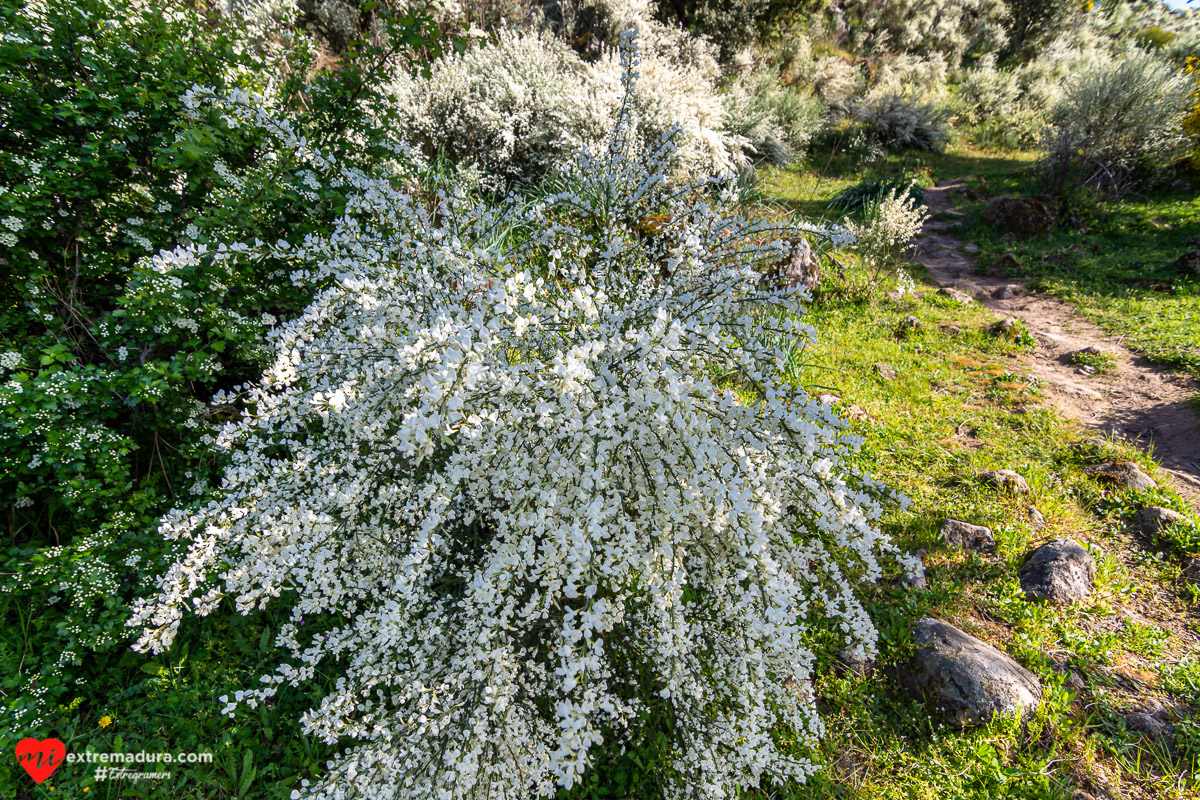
(1123, 474)
(1060, 571)
(956, 295)
(1020, 215)
(966, 536)
(885, 371)
(1003, 265)
(1008, 291)
(1151, 720)
(1152, 519)
(971, 248)
(802, 267)
(966, 678)
(854, 662)
(1036, 520)
(1075, 681)
(828, 399)
(1006, 480)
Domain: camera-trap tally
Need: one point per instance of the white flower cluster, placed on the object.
(517, 107)
(524, 474)
(889, 223)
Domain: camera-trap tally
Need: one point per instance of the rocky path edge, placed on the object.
(1137, 401)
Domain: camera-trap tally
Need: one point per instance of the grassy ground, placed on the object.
(958, 406)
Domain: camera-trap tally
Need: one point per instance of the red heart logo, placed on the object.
(40, 759)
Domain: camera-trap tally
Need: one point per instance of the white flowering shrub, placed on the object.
(511, 110)
(917, 78)
(525, 475)
(514, 109)
(889, 222)
(952, 28)
(1120, 126)
(835, 81)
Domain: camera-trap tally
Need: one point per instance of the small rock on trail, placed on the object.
(1152, 519)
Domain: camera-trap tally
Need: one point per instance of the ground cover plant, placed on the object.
(364, 432)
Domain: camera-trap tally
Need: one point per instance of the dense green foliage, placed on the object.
(111, 356)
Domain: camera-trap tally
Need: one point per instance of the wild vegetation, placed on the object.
(517, 399)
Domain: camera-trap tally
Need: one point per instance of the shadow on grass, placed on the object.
(805, 188)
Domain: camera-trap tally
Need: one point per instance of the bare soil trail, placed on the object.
(1137, 401)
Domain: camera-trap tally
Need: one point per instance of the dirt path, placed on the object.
(1137, 401)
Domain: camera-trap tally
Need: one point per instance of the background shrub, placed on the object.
(899, 124)
(1119, 127)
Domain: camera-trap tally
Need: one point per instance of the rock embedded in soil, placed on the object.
(828, 399)
(1021, 215)
(885, 371)
(1151, 720)
(1152, 519)
(1008, 291)
(1003, 265)
(1036, 519)
(968, 679)
(1006, 480)
(1189, 262)
(1123, 474)
(971, 248)
(966, 536)
(1060, 571)
(956, 295)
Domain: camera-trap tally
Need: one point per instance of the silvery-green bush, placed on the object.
(778, 121)
(1120, 126)
(514, 109)
(524, 476)
(988, 92)
(900, 124)
(509, 111)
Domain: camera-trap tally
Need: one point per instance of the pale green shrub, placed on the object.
(778, 121)
(512, 110)
(835, 81)
(899, 124)
(1119, 127)
(987, 92)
